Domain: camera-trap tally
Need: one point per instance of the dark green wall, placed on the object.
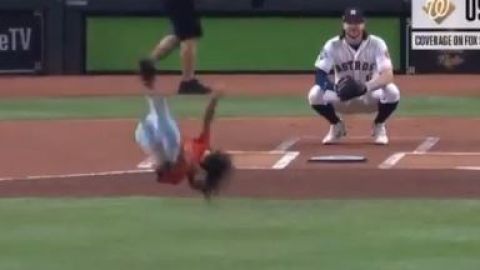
(114, 44)
(67, 50)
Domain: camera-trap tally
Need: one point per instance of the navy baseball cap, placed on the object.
(353, 15)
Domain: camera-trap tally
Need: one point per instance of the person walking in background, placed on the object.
(187, 30)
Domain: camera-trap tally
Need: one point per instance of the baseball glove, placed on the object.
(347, 88)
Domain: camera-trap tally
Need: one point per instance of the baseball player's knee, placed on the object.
(391, 94)
(171, 38)
(315, 96)
(331, 97)
(189, 44)
(318, 96)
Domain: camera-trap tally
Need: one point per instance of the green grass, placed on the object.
(240, 106)
(229, 43)
(441, 106)
(140, 233)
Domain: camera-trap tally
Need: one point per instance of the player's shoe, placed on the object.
(147, 72)
(380, 136)
(193, 87)
(335, 134)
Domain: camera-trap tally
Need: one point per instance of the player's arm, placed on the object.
(323, 66)
(384, 67)
(210, 113)
(384, 77)
(322, 80)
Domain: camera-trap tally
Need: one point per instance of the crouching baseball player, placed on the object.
(363, 79)
(176, 158)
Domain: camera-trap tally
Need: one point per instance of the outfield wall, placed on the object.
(230, 44)
(108, 36)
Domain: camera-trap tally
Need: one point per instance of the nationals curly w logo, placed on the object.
(438, 10)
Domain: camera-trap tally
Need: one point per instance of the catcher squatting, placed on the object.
(363, 79)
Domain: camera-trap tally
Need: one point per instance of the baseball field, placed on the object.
(76, 194)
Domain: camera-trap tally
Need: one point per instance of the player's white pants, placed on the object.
(158, 133)
(364, 104)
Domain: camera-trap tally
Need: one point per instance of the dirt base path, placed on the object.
(82, 147)
(22, 86)
(289, 184)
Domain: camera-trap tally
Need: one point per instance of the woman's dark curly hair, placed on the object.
(218, 166)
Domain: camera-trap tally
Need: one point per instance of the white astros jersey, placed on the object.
(371, 57)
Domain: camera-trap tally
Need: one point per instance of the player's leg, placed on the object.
(158, 133)
(167, 131)
(162, 49)
(165, 47)
(189, 83)
(147, 65)
(322, 102)
(146, 139)
(188, 54)
(188, 30)
(388, 100)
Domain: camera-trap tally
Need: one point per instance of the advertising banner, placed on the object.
(21, 41)
(444, 36)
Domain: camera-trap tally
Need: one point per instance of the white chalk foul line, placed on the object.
(147, 163)
(287, 144)
(362, 138)
(448, 153)
(468, 168)
(426, 145)
(76, 175)
(282, 163)
(422, 149)
(288, 158)
(273, 152)
(391, 161)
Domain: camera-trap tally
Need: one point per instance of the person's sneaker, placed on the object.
(147, 71)
(380, 134)
(193, 87)
(335, 134)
